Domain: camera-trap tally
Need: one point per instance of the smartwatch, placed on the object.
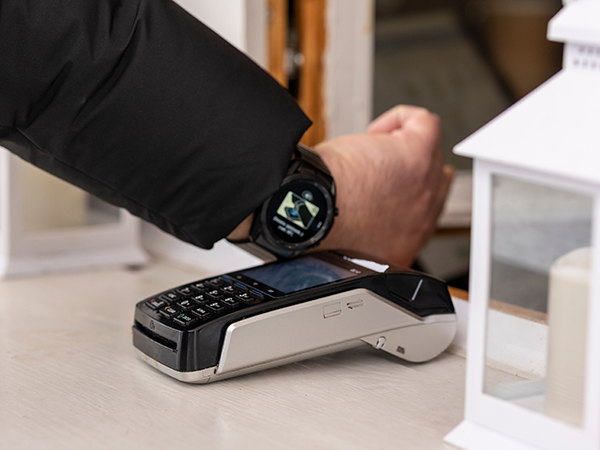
(299, 214)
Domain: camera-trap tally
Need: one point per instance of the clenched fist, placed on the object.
(391, 185)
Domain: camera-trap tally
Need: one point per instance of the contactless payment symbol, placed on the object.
(298, 210)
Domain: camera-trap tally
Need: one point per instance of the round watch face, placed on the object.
(299, 213)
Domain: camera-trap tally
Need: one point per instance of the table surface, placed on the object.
(70, 380)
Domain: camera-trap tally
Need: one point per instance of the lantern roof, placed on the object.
(577, 22)
(556, 128)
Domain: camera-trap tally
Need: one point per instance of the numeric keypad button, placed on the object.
(230, 301)
(184, 319)
(169, 311)
(215, 307)
(256, 294)
(199, 286)
(186, 304)
(217, 282)
(185, 291)
(227, 290)
(245, 297)
(240, 287)
(214, 295)
(199, 298)
(201, 312)
(170, 296)
(156, 303)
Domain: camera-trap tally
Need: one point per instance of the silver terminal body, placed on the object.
(318, 327)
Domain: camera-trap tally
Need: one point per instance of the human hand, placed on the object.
(391, 185)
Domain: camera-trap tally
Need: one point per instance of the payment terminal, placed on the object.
(286, 311)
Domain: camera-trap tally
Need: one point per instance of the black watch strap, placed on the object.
(307, 154)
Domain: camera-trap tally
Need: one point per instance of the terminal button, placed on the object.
(186, 304)
(156, 303)
(228, 290)
(199, 286)
(184, 319)
(213, 295)
(215, 307)
(185, 291)
(201, 312)
(246, 297)
(217, 282)
(331, 310)
(169, 311)
(199, 298)
(169, 296)
(230, 301)
(240, 286)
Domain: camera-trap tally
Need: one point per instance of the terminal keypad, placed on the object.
(204, 300)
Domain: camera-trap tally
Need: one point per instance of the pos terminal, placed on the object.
(290, 310)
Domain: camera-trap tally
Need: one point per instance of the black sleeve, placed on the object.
(140, 104)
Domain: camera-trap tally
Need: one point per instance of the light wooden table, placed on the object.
(69, 379)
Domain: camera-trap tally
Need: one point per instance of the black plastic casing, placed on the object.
(197, 348)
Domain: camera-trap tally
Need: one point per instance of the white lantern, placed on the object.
(47, 225)
(535, 384)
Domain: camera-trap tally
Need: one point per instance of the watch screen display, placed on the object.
(297, 212)
(298, 274)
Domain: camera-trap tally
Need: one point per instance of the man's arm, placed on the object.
(141, 105)
(391, 186)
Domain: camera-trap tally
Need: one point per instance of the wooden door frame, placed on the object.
(335, 40)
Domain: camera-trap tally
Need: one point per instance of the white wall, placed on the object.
(226, 17)
(349, 51)
(242, 22)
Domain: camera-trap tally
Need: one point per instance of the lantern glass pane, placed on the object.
(539, 284)
(48, 203)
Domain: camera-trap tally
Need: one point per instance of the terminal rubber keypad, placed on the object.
(202, 301)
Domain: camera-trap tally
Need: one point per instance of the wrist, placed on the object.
(335, 163)
(241, 233)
